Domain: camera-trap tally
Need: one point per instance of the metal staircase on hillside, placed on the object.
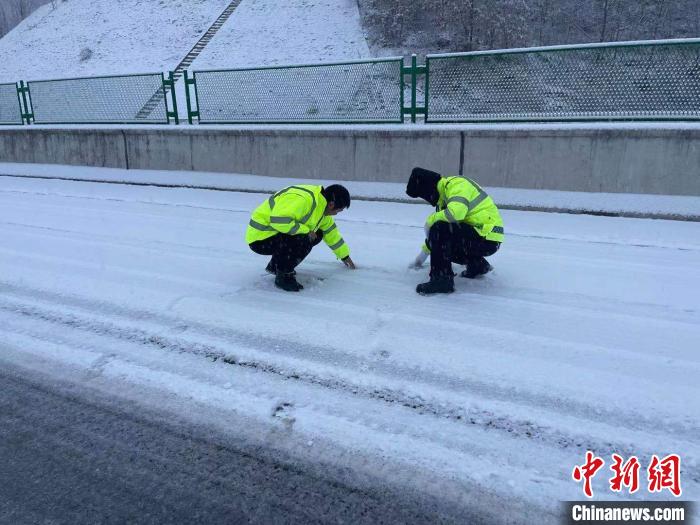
(190, 57)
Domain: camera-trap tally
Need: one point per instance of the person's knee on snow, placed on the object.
(287, 251)
(440, 236)
(476, 267)
(440, 241)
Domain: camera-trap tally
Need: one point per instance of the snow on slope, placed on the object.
(269, 32)
(128, 36)
(137, 36)
(576, 341)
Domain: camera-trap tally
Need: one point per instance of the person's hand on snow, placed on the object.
(419, 260)
(347, 261)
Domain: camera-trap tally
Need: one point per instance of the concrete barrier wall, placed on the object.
(657, 161)
(645, 160)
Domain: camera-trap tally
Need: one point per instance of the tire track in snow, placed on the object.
(368, 198)
(326, 354)
(539, 399)
(569, 301)
(484, 419)
(614, 308)
(659, 244)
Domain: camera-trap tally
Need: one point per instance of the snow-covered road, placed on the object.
(585, 337)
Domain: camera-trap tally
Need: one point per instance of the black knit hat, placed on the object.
(423, 184)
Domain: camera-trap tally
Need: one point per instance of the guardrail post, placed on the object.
(414, 70)
(27, 113)
(414, 77)
(190, 113)
(19, 103)
(171, 83)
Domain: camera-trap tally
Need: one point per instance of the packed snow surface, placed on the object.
(682, 207)
(585, 337)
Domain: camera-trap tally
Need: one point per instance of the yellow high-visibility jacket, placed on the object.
(296, 210)
(463, 200)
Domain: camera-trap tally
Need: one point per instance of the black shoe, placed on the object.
(271, 269)
(477, 268)
(437, 285)
(287, 282)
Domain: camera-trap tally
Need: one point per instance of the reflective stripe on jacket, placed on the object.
(296, 210)
(463, 200)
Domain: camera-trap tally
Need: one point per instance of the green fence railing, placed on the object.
(655, 80)
(125, 99)
(10, 105)
(369, 91)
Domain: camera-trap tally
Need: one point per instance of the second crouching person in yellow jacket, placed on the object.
(465, 228)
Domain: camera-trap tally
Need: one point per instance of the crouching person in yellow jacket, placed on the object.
(465, 228)
(291, 222)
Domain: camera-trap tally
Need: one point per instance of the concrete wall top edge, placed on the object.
(663, 132)
(234, 132)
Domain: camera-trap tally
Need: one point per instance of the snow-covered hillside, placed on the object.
(269, 32)
(103, 37)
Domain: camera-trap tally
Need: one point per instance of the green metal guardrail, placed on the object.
(654, 80)
(10, 105)
(368, 91)
(125, 99)
(414, 70)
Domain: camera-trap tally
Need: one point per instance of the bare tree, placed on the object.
(461, 25)
(604, 23)
(660, 20)
(544, 13)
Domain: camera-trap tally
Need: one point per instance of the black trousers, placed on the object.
(458, 243)
(287, 250)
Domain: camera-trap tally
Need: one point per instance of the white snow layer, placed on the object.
(654, 206)
(585, 337)
(270, 32)
(128, 36)
(102, 37)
